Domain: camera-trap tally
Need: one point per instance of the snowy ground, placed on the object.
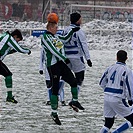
(31, 115)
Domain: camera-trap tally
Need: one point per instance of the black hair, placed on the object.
(74, 17)
(122, 56)
(8, 32)
(17, 33)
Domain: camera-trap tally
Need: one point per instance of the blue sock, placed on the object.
(104, 130)
(122, 127)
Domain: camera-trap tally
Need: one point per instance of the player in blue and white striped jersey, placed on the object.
(117, 82)
(77, 50)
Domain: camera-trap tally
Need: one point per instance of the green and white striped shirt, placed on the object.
(54, 47)
(7, 43)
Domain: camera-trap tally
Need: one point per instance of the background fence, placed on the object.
(37, 10)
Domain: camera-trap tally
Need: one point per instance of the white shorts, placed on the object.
(76, 65)
(114, 105)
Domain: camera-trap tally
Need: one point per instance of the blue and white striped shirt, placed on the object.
(77, 46)
(118, 81)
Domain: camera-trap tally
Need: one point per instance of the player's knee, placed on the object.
(109, 122)
(73, 83)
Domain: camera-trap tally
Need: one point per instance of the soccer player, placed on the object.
(8, 45)
(77, 49)
(48, 82)
(117, 82)
(56, 65)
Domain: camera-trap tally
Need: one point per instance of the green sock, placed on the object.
(54, 113)
(74, 91)
(54, 102)
(8, 81)
(9, 94)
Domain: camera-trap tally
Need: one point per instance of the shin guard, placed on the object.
(8, 81)
(122, 127)
(74, 91)
(54, 102)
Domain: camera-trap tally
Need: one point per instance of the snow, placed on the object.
(31, 115)
(101, 34)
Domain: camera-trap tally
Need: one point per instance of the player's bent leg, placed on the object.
(123, 127)
(68, 77)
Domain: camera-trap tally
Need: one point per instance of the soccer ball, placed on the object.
(52, 17)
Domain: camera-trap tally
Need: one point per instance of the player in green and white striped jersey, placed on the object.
(56, 61)
(8, 45)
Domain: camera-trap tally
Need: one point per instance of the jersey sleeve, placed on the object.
(41, 66)
(66, 37)
(129, 85)
(103, 80)
(83, 44)
(13, 44)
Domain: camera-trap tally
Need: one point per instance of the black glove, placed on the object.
(130, 102)
(67, 61)
(89, 63)
(29, 52)
(41, 72)
(75, 29)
